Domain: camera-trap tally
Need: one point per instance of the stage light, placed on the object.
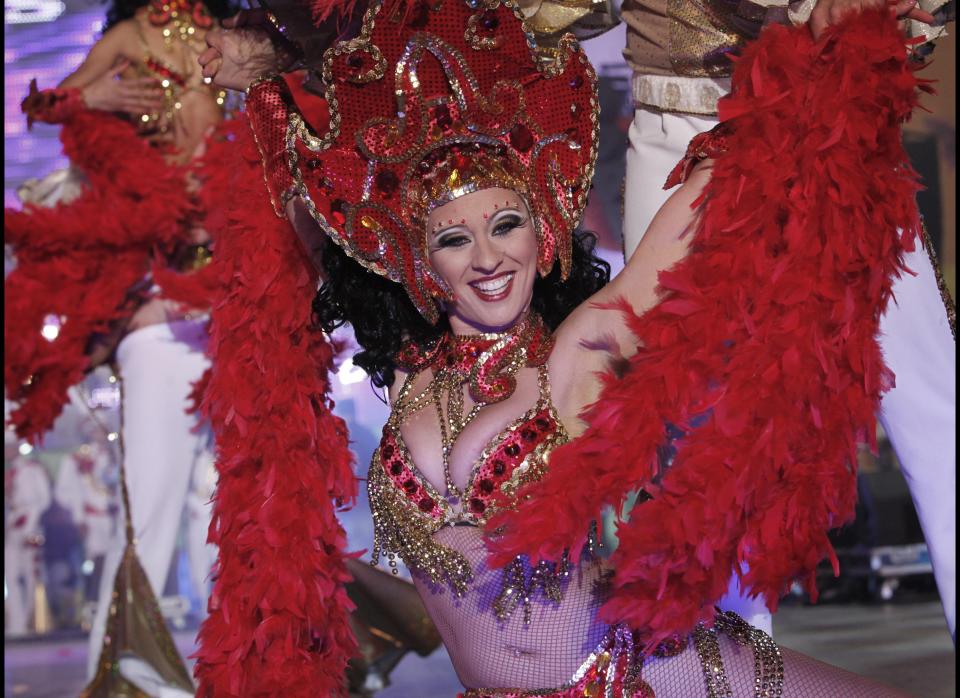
(51, 327)
(25, 449)
(113, 436)
(348, 373)
(31, 11)
(87, 567)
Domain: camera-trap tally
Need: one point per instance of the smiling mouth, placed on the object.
(494, 289)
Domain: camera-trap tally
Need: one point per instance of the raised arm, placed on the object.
(244, 56)
(595, 337)
(95, 85)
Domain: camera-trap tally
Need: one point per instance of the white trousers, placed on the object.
(919, 414)
(20, 574)
(158, 365)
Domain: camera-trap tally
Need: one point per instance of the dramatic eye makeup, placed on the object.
(452, 238)
(507, 222)
(503, 222)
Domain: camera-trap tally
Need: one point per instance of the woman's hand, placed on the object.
(242, 51)
(829, 12)
(111, 93)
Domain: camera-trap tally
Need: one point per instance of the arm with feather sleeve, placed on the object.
(768, 328)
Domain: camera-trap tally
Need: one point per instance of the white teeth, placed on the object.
(493, 286)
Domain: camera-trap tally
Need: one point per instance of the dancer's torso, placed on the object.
(506, 445)
(168, 53)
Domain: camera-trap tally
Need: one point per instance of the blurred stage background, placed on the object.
(868, 621)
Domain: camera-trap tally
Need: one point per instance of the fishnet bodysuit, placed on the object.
(510, 657)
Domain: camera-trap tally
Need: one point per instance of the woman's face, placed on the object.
(483, 245)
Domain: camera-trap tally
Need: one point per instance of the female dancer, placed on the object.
(135, 115)
(453, 165)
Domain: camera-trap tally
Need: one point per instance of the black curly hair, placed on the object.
(120, 10)
(383, 317)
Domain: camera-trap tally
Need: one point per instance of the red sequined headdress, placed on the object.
(434, 103)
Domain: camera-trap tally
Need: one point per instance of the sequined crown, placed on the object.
(435, 102)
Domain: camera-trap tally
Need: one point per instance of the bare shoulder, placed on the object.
(400, 377)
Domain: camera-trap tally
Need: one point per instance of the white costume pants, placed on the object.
(158, 365)
(919, 414)
(20, 574)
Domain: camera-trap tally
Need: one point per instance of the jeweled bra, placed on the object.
(408, 510)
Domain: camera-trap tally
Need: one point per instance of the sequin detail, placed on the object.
(615, 668)
(948, 304)
(398, 96)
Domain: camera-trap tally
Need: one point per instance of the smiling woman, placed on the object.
(447, 177)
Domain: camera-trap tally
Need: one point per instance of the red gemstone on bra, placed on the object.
(512, 450)
(314, 163)
(477, 505)
(542, 423)
(387, 451)
(486, 486)
(426, 504)
(410, 486)
(528, 434)
(521, 138)
(499, 467)
(396, 467)
(354, 60)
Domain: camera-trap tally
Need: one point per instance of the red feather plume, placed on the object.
(763, 349)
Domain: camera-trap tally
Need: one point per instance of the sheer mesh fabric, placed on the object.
(803, 677)
(487, 652)
(544, 654)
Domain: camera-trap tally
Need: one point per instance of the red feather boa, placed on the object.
(278, 623)
(78, 260)
(768, 328)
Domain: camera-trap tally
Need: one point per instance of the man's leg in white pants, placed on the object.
(920, 413)
(158, 365)
(657, 142)
(17, 570)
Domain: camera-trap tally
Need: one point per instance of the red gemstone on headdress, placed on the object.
(336, 211)
(419, 15)
(576, 82)
(314, 163)
(521, 138)
(490, 21)
(355, 60)
(512, 450)
(441, 114)
(387, 181)
(426, 504)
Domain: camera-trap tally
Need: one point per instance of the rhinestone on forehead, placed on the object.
(454, 82)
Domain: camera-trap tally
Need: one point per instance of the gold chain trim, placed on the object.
(948, 305)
